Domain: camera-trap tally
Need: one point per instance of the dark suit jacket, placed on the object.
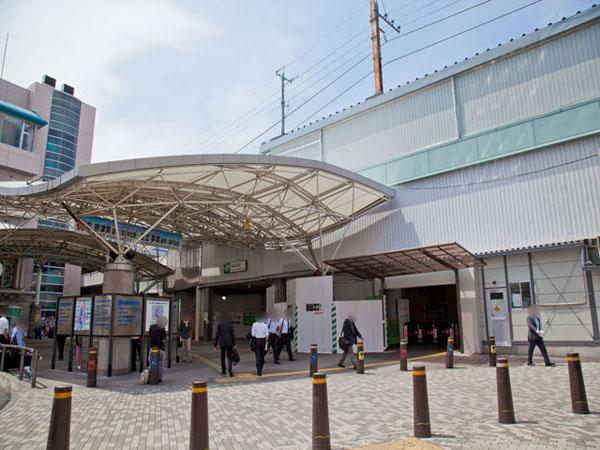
(350, 332)
(532, 326)
(225, 336)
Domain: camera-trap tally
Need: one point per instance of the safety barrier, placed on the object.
(10, 353)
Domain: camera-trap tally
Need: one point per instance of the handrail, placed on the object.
(23, 350)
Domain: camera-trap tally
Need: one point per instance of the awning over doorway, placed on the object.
(433, 258)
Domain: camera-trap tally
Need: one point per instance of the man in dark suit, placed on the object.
(225, 338)
(351, 335)
(535, 333)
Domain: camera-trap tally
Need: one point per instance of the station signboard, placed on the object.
(235, 266)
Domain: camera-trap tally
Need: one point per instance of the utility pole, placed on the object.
(281, 74)
(376, 40)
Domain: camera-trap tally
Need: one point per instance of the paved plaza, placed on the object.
(373, 410)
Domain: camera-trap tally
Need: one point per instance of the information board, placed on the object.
(174, 316)
(64, 321)
(102, 309)
(156, 307)
(128, 315)
(83, 315)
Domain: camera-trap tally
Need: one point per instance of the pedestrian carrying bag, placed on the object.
(343, 343)
(235, 356)
(252, 344)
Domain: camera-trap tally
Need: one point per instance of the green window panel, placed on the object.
(504, 141)
(406, 168)
(453, 155)
(376, 173)
(564, 124)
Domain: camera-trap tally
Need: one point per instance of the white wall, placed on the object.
(369, 321)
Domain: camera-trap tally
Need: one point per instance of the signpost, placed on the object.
(235, 266)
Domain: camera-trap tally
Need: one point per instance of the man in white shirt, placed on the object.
(285, 338)
(3, 323)
(259, 333)
(273, 343)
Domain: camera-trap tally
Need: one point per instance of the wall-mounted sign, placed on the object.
(248, 319)
(313, 307)
(156, 307)
(235, 266)
(102, 309)
(128, 315)
(64, 321)
(14, 312)
(83, 315)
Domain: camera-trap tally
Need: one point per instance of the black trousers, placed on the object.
(60, 342)
(537, 340)
(285, 341)
(259, 352)
(274, 345)
(227, 350)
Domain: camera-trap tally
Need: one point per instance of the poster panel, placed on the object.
(156, 307)
(83, 315)
(102, 309)
(64, 321)
(128, 315)
(497, 309)
(174, 316)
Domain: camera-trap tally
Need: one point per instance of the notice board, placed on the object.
(83, 315)
(128, 315)
(102, 310)
(64, 320)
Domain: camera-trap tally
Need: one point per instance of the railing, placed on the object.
(22, 351)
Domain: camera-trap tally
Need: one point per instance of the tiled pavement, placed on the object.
(364, 410)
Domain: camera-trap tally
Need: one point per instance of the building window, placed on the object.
(520, 294)
(16, 133)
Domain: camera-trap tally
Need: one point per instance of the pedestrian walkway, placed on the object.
(365, 410)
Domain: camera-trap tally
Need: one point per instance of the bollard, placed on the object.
(320, 423)
(506, 412)
(34, 362)
(403, 356)
(360, 350)
(199, 425)
(21, 364)
(450, 354)
(92, 367)
(153, 367)
(422, 427)
(579, 403)
(492, 350)
(60, 419)
(314, 360)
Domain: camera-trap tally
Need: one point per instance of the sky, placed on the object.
(198, 76)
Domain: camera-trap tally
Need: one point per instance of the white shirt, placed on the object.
(272, 326)
(284, 326)
(259, 330)
(3, 324)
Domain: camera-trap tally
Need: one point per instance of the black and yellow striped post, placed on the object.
(506, 411)
(314, 360)
(153, 373)
(492, 350)
(92, 367)
(59, 434)
(320, 416)
(421, 425)
(579, 403)
(450, 353)
(199, 421)
(360, 351)
(403, 355)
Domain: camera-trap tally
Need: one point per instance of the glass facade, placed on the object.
(62, 135)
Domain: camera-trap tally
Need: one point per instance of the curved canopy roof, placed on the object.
(71, 247)
(231, 198)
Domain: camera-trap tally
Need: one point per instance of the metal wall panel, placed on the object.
(556, 73)
(296, 146)
(396, 128)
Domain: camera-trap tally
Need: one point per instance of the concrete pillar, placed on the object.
(198, 316)
(470, 304)
(118, 277)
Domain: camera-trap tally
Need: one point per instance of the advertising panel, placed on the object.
(156, 307)
(128, 315)
(102, 309)
(83, 315)
(64, 321)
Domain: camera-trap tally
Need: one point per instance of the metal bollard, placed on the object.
(2, 359)
(506, 411)
(22, 364)
(153, 367)
(492, 350)
(59, 433)
(360, 350)
(320, 417)
(199, 425)
(34, 362)
(450, 354)
(421, 425)
(579, 403)
(314, 360)
(403, 356)
(92, 367)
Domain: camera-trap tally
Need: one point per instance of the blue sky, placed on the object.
(190, 76)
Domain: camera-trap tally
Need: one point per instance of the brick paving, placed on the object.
(365, 410)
